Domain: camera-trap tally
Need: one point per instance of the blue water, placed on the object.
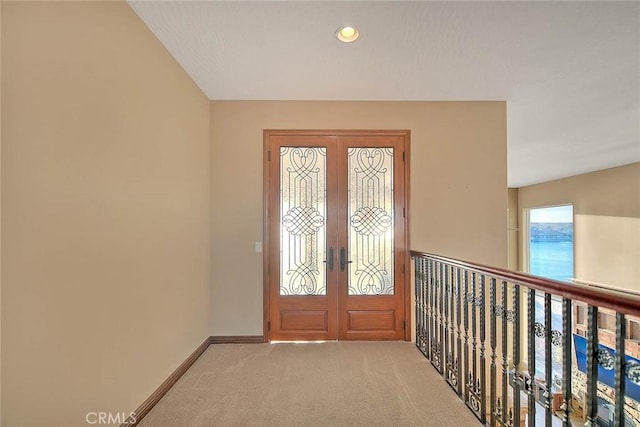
(553, 260)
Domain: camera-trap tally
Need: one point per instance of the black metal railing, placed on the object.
(517, 348)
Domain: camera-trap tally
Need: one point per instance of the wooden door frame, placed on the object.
(265, 199)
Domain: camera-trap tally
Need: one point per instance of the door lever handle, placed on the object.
(329, 261)
(343, 259)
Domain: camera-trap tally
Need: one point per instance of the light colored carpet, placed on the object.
(324, 384)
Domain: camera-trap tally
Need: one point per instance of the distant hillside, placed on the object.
(551, 232)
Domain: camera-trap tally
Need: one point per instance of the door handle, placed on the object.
(343, 259)
(329, 261)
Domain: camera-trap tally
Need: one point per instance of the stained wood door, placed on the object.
(335, 221)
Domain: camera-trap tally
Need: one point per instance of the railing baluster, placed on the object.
(420, 337)
(475, 401)
(467, 372)
(620, 374)
(450, 328)
(432, 309)
(531, 348)
(436, 319)
(504, 350)
(438, 301)
(440, 297)
(566, 361)
(435, 359)
(516, 354)
(434, 313)
(452, 337)
(592, 365)
(417, 267)
(447, 324)
(547, 359)
(493, 340)
(426, 332)
(474, 344)
(443, 317)
(459, 373)
(483, 362)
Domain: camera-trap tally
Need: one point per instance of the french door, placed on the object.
(335, 230)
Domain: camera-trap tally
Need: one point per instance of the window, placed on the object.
(550, 245)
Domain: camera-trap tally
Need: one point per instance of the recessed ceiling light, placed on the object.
(347, 34)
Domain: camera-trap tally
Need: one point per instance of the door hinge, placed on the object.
(269, 155)
(268, 325)
(404, 325)
(403, 157)
(404, 212)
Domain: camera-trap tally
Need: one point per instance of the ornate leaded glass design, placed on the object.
(302, 222)
(370, 231)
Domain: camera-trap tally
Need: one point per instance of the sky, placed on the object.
(552, 214)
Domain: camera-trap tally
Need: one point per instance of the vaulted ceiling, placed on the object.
(569, 71)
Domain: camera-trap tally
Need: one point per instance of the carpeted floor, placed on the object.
(311, 384)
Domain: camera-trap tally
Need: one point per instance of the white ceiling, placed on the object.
(569, 71)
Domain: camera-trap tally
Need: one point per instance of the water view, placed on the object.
(551, 242)
(552, 259)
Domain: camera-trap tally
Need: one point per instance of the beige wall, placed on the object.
(458, 185)
(105, 221)
(606, 207)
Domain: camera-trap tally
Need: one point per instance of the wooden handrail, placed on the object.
(619, 301)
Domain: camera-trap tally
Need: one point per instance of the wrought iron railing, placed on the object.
(517, 348)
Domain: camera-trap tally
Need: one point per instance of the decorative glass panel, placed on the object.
(370, 178)
(302, 223)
